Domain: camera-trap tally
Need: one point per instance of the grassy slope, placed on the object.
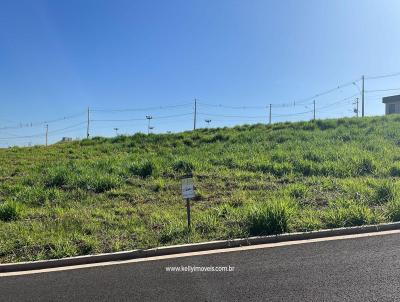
(104, 195)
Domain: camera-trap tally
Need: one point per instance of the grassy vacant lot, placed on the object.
(104, 195)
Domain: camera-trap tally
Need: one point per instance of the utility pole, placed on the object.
(356, 103)
(362, 96)
(195, 114)
(149, 117)
(47, 133)
(270, 114)
(116, 131)
(314, 110)
(88, 122)
(208, 122)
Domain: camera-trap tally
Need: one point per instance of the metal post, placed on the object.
(362, 97)
(270, 114)
(188, 212)
(357, 106)
(195, 114)
(47, 133)
(88, 122)
(149, 117)
(314, 110)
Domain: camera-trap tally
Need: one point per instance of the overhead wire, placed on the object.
(390, 75)
(142, 108)
(41, 123)
(43, 133)
(141, 119)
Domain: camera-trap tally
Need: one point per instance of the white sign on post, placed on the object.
(187, 188)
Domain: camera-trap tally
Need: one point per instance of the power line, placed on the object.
(381, 90)
(293, 114)
(68, 127)
(142, 108)
(230, 107)
(42, 123)
(143, 119)
(390, 75)
(57, 131)
(340, 101)
(172, 116)
(280, 105)
(232, 116)
(328, 91)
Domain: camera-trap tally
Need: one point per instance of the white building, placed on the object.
(392, 104)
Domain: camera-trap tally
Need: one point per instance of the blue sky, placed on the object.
(59, 57)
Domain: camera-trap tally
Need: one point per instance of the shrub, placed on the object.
(395, 171)
(57, 177)
(183, 166)
(385, 192)
(277, 169)
(393, 210)
(215, 138)
(346, 213)
(326, 124)
(298, 190)
(365, 166)
(207, 225)
(143, 169)
(304, 167)
(187, 141)
(10, 210)
(309, 220)
(96, 181)
(173, 231)
(270, 219)
(158, 185)
(37, 195)
(238, 199)
(281, 169)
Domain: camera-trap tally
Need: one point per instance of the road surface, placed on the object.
(358, 269)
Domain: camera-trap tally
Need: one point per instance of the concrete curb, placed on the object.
(197, 247)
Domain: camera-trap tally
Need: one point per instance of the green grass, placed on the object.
(104, 195)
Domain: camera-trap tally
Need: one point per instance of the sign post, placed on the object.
(187, 193)
(188, 212)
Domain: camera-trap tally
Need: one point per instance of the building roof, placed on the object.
(391, 99)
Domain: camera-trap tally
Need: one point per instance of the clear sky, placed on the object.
(59, 57)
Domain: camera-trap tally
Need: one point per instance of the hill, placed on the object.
(103, 195)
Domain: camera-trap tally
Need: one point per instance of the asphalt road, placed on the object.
(362, 269)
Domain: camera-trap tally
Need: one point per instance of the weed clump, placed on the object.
(10, 210)
(365, 166)
(385, 192)
(395, 171)
(142, 169)
(308, 220)
(37, 195)
(393, 210)
(172, 231)
(57, 177)
(274, 218)
(347, 213)
(96, 182)
(183, 166)
(298, 191)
